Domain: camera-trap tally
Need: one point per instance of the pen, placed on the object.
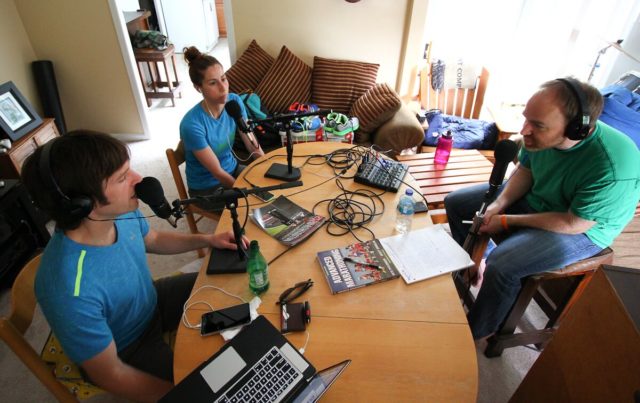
(375, 266)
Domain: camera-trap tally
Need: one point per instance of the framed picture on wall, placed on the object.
(17, 116)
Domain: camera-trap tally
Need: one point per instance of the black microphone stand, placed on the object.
(280, 171)
(224, 261)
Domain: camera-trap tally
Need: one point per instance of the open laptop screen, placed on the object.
(320, 382)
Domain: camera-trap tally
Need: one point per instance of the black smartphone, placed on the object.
(264, 196)
(420, 207)
(225, 319)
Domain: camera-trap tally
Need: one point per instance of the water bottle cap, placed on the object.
(253, 244)
(408, 192)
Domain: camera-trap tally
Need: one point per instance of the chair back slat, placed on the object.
(23, 298)
(176, 158)
(461, 102)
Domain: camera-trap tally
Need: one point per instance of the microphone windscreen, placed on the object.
(233, 109)
(505, 151)
(150, 191)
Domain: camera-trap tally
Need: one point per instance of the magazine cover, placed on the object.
(357, 265)
(286, 221)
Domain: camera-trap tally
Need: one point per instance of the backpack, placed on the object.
(252, 102)
(267, 133)
(150, 39)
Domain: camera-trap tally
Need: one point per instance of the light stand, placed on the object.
(600, 53)
(224, 261)
(281, 171)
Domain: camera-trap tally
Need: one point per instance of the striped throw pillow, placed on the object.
(336, 84)
(375, 107)
(247, 72)
(287, 81)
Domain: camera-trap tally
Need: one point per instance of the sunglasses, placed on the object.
(294, 292)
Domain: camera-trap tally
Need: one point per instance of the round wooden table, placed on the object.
(406, 342)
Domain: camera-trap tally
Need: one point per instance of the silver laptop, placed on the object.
(258, 365)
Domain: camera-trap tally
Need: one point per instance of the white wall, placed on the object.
(79, 37)
(370, 30)
(17, 54)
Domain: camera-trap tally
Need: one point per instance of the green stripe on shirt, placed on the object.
(76, 290)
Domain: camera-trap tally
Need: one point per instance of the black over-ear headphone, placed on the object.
(578, 126)
(75, 208)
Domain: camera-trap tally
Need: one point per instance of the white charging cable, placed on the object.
(188, 304)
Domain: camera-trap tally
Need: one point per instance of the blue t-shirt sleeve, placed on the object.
(80, 325)
(193, 131)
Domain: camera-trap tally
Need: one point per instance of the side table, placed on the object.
(150, 58)
(11, 161)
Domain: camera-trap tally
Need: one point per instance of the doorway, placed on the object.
(161, 121)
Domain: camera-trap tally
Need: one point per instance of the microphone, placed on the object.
(504, 153)
(235, 193)
(233, 109)
(150, 191)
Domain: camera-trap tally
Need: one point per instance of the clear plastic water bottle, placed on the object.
(443, 148)
(405, 212)
(257, 269)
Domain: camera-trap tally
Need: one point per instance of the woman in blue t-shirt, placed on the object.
(208, 132)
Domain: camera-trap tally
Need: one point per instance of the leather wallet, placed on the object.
(292, 318)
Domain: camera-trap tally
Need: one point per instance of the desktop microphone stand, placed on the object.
(281, 171)
(224, 261)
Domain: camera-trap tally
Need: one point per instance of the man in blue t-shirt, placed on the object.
(575, 188)
(94, 284)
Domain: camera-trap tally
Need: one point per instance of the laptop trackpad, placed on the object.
(224, 367)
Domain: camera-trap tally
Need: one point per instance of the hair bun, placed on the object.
(191, 53)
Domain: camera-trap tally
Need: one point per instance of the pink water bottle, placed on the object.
(443, 149)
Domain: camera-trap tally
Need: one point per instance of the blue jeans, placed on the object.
(524, 252)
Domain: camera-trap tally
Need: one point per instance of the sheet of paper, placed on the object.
(425, 253)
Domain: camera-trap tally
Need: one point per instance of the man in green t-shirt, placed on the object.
(575, 188)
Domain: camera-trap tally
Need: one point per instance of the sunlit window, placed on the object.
(526, 42)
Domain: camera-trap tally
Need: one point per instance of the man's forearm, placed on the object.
(518, 185)
(563, 223)
(113, 375)
(170, 243)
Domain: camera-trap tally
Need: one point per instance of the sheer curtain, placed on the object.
(526, 42)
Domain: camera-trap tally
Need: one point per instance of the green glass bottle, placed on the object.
(258, 270)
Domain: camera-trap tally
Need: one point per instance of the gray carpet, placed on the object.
(498, 377)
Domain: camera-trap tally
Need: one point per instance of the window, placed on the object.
(526, 42)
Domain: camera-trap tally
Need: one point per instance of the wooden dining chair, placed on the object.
(52, 367)
(462, 102)
(176, 158)
(554, 292)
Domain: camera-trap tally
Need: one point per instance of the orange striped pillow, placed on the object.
(249, 69)
(375, 107)
(287, 81)
(336, 84)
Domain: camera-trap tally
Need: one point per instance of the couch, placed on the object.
(344, 86)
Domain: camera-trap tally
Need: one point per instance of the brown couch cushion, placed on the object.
(249, 69)
(375, 107)
(288, 80)
(337, 84)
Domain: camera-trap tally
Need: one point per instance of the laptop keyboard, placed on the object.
(267, 381)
